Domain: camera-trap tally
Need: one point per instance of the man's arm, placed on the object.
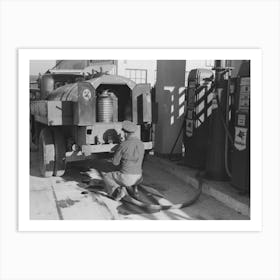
(117, 156)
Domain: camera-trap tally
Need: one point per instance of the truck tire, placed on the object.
(46, 152)
(34, 136)
(60, 153)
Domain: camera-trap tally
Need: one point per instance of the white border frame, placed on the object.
(254, 224)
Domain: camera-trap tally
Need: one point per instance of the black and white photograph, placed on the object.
(139, 139)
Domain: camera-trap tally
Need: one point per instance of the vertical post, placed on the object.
(117, 70)
(170, 86)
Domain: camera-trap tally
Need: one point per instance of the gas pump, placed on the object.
(217, 151)
(240, 157)
(198, 110)
(229, 133)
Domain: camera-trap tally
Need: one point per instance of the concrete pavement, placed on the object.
(68, 197)
(221, 191)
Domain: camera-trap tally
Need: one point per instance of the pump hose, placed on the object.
(224, 123)
(131, 198)
(175, 143)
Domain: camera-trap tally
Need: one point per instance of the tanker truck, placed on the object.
(74, 118)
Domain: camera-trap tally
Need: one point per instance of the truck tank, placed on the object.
(113, 96)
(117, 84)
(67, 92)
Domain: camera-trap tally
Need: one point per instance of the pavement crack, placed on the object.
(56, 203)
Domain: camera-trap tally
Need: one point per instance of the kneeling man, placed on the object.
(129, 156)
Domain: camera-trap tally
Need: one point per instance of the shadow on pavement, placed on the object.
(159, 181)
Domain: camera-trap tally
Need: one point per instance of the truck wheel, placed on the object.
(60, 153)
(34, 137)
(46, 152)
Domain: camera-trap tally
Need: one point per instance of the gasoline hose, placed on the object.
(224, 123)
(228, 135)
(131, 198)
(175, 143)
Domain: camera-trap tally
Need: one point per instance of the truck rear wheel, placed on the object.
(46, 153)
(60, 153)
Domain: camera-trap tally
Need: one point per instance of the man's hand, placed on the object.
(113, 150)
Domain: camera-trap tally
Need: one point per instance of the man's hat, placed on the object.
(129, 127)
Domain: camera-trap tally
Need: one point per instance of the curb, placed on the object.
(221, 191)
